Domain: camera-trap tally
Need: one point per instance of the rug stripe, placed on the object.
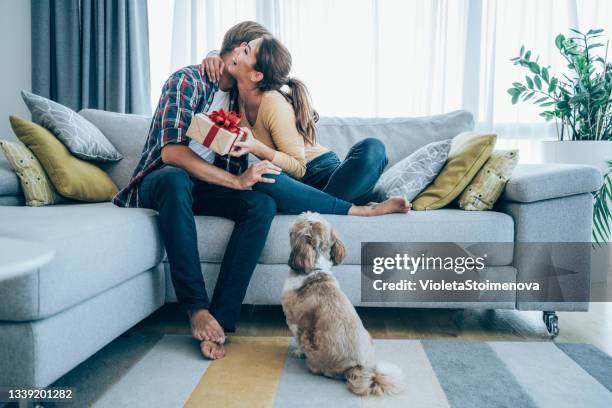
(299, 388)
(164, 377)
(422, 386)
(592, 360)
(550, 376)
(473, 376)
(249, 372)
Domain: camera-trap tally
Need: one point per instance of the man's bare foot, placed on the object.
(391, 205)
(205, 327)
(212, 350)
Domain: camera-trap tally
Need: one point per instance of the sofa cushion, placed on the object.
(97, 246)
(72, 177)
(36, 186)
(447, 225)
(82, 138)
(9, 182)
(127, 133)
(401, 136)
(490, 181)
(413, 173)
(468, 153)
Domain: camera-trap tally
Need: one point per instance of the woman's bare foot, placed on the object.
(205, 327)
(389, 206)
(212, 350)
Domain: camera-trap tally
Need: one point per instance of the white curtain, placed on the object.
(391, 57)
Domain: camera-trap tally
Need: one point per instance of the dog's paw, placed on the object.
(297, 353)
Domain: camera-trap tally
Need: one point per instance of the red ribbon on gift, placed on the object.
(229, 121)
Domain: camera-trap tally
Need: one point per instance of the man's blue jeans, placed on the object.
(329, 185)
(177, 197)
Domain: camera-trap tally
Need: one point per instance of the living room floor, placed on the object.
(593, 327)
(97, 374)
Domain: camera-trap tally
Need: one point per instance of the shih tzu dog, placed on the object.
(328, 331)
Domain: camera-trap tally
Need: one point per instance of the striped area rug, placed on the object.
(262, 372)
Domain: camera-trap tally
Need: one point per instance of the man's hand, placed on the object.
(254, 174)
(213, 66)
(180, 155)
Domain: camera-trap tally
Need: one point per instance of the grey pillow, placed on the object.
(412, 174)
(79, 135)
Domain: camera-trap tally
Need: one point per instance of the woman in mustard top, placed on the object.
(280, 127)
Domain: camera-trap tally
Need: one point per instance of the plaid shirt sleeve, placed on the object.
(181, 100)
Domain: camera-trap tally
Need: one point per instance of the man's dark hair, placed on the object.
(246, 31)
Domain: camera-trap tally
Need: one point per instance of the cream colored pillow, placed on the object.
(37, 188)
(490, 181)
(468, 153)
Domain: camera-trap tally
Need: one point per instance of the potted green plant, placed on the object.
(580, 103)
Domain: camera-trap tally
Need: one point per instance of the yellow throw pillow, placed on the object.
(468, 153)
(490, 181)
(37, 188)
(72, 177)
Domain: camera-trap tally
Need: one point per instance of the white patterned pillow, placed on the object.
(490, 181)
(37, 188)
(411, 175)
(79, 135)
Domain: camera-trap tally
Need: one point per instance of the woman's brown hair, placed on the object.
(274, 62)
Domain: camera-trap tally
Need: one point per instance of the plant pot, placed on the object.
(595, 153)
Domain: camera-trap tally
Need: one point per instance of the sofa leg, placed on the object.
(551, 320)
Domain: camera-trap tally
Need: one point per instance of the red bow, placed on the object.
(229, 121)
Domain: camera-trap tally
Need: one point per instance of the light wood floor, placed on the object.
(593, 327)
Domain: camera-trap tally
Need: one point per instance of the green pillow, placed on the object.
(468, 153)
(72, 177)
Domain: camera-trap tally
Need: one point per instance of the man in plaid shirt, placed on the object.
(178, 182)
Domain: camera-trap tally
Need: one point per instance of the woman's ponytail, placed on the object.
(274, 61)
(305, 116)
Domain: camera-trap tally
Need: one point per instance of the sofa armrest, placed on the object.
(10, 188)
(552, 208)
(9, 182)
(536, 182)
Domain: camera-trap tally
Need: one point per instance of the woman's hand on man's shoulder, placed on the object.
(213, 66)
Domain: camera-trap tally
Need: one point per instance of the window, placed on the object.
(390, 57)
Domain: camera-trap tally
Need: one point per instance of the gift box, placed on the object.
(217, 130)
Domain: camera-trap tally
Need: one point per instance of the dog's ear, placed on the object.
(338, 250)
(302, 257)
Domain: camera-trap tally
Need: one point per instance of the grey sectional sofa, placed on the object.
(109, 270)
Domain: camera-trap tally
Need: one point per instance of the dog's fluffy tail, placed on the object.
(384, 378)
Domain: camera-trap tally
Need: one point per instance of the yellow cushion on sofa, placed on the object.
(490, 181)
(37, 188)
(468, 153)
(72, 177)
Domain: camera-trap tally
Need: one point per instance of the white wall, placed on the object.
(16, 65)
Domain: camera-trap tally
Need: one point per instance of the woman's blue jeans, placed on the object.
(354, 178)
(330, 186)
